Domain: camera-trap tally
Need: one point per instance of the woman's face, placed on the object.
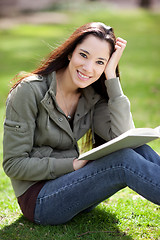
(88, 61)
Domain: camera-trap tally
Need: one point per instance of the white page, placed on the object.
(131, 139)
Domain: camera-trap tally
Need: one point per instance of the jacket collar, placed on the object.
(86, 103)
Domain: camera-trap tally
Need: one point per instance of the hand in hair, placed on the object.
(110, 70)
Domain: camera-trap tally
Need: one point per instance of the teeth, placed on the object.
(83, 75)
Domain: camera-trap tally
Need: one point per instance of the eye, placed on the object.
(83, 55)
(100, 62)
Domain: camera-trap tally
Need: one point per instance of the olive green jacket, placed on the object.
(39, 143)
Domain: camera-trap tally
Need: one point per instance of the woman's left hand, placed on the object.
(110, 70)
(77, 164)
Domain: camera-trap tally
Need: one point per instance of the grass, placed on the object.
(125, 215)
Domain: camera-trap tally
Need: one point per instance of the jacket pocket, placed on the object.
(21, 127)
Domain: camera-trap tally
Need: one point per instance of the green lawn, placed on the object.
(125, 215)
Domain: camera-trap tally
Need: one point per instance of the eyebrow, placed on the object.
(89, 54)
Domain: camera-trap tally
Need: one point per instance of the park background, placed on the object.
(29, 30)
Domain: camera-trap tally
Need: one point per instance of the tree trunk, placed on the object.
(145, 3)
(8, 8)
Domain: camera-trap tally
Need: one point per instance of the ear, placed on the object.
(69, 56)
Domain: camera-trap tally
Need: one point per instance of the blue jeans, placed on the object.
(63, 198)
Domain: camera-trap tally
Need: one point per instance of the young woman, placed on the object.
(74, 92)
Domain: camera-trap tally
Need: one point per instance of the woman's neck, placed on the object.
(67, 95)
(65, 84)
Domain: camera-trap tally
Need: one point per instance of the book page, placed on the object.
(144, 131)
(131, 139)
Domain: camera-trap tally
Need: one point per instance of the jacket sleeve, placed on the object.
(19, 126)
(113, 118)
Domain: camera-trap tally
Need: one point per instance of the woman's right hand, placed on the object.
(110, 70)
(77, 164)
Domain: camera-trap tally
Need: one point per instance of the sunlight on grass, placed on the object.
(125, 215)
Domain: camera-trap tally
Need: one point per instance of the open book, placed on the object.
(131, 139)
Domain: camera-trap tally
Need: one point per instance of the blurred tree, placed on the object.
(145, 3)
(8, 7)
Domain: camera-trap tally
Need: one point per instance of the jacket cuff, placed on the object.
(114, 88)
(62, 166)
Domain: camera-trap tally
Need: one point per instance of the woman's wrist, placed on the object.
(110, 75)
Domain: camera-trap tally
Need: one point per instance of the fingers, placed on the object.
(110, 70)
(119, 48)
(77, 164)
(120, 44)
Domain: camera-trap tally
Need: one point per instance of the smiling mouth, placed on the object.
(82, 76)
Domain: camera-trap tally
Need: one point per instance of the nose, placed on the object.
(88, 66)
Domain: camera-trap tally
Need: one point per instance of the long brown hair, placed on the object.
(58, 59)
